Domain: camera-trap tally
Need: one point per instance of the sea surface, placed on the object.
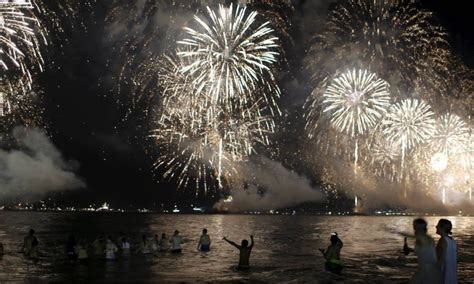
(286, 248)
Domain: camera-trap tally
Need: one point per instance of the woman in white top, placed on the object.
(110, 249)
(176, 241)
(446, 251)
(428, 271)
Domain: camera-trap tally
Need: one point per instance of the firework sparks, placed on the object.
(19, 42)
(385, 154)
(408, 124)
(356, 101)
(201, 148)
(230, 57)
(450, 136)
(396, 39)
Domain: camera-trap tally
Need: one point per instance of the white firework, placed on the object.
(356, 101)
(231, 56)
(451, 135)
(19, 41)
(408, 124)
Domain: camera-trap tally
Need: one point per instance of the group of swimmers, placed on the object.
(435, 264)
(107, 248)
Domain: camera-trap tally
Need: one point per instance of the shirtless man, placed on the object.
(245, 251)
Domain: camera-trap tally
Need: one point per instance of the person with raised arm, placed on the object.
(244, 252)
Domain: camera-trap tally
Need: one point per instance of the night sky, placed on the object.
(85, 120)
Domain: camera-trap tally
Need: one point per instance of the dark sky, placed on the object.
(85, 120)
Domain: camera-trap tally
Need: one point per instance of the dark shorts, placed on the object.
(176, 250)
(205, 248)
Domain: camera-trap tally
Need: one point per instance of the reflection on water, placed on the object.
(286, 247)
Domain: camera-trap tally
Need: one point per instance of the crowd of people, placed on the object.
(436, 263)
(109, 249)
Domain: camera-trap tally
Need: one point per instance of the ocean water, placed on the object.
(286, 248)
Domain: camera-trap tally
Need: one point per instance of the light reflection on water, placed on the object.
(286, 247)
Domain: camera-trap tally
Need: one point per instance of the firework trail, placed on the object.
(396, 39)
(20, 43)
(408, 124)
(197, 147)
(231, 57)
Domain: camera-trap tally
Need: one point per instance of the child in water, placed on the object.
(244, 252)
(204, 244)
(333, 254)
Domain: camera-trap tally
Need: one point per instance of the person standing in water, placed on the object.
(1, 249)
(428, 271)
(176, 241)
(30, 245)
(156, 244)
(98, 247)
(204, 244)
(163, 244)
(125, 246)
(110, 249)
(27, 242)
(446, 252)
(244, 252)
(333, 254)
(81, 251)
(144, 246)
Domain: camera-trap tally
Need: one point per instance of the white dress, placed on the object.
(428, 271)
(449, 264)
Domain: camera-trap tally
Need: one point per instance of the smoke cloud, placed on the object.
(35, 168)
(272, 186)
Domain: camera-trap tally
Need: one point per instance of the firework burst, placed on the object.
(450, 136)
(408, 124)
(356, 100)
(231, 56)
(396, 39)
